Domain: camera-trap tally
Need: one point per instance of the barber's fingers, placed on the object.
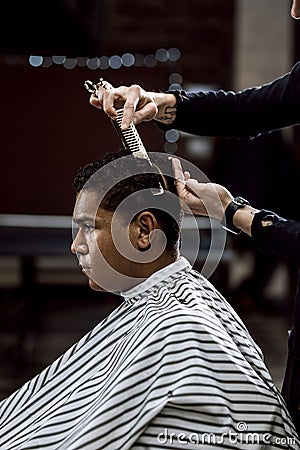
(96, 99)
(183, 179)
(132, 99)
(177, 169)
(109, 98)
(146, 113)
(193, 186)
(139, 106)
(183, 183)
(179, 180)
(103, 84)
(114, 99)
(111, 101)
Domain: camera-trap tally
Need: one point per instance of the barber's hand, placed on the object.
(139, 105)
(205, 199)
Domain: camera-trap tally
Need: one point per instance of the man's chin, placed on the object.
(113, 286)
(92, 283)
(95, 286)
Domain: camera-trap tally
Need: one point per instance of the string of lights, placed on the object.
(116, 62)
(162, 55)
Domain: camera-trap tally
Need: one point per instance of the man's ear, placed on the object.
(146, 223)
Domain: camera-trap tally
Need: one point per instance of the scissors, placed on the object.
(130, 138)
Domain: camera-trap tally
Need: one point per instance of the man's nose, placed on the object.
(79, 245)
(295, 11)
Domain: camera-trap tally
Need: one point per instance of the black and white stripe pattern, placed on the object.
(173, 358)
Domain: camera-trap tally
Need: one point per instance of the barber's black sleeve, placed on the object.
(274, 235)
(246, 113)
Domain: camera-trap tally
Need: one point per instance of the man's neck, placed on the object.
(141, 272)
(144, 271)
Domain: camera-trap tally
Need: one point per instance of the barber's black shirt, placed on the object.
(246, 113)
(274, 235)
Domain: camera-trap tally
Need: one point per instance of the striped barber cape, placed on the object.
(173, 367)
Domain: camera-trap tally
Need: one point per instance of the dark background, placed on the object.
(48, 128)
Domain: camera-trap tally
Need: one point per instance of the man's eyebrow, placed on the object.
(83, 219)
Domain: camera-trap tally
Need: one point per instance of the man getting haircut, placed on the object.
(173, 366)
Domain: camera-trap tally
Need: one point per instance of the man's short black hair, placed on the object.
(136, 177)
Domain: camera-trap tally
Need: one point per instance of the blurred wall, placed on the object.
(263, 43)
(48, 129)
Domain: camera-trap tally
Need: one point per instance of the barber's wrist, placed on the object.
(238, 216)
(243, 219)
(166, 107)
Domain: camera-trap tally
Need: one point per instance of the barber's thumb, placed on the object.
(193, 186)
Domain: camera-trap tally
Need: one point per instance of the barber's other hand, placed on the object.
(205, 199)
(139, 105)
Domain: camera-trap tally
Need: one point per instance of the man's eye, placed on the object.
(88, 227)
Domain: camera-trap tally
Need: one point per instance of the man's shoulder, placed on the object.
(183, 304)
(190, 285)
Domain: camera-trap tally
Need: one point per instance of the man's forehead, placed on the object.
(87, 205)
(87, 209)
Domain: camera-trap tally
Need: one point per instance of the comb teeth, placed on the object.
(132, 139)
